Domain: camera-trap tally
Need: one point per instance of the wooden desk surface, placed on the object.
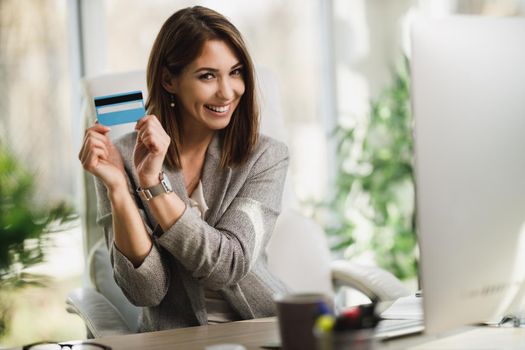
(255, 333)
(252, 334)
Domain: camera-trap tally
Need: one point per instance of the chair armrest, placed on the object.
(100, 316)
(374, 282)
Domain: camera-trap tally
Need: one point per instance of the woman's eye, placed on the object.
(206, 76)
(236, 72)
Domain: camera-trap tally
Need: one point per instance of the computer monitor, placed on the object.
(468, 100)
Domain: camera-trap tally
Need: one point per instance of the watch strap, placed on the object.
(151, 192)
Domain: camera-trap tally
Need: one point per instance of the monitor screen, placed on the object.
(468, 100)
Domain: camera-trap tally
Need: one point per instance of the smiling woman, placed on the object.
(189, 201)
(210, 64)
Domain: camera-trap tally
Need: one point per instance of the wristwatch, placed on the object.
(163, 187)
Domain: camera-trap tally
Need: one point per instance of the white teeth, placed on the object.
(219, 109)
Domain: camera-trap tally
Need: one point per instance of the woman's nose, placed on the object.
(226, 89)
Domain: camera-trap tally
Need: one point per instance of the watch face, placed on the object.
(165, 182)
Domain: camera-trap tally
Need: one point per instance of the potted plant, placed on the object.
(375, 183)
(24, 228)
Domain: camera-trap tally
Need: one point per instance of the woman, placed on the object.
(188, 202)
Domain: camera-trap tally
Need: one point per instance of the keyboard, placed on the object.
(388, 329)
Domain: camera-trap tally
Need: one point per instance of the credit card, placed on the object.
(120, 108)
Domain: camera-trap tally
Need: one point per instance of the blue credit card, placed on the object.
(120, 108)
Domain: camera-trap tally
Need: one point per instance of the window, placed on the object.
(35, 80)
(38, 121)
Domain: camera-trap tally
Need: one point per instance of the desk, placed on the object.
(252, 334)
(255, 333)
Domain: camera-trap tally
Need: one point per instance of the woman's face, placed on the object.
(209, 88)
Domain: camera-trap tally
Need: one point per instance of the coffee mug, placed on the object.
(297, 314)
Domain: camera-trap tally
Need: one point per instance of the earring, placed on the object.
(172, 104)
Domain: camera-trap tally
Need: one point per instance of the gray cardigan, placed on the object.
(225, 251)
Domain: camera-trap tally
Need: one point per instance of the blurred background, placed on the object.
(343, 71)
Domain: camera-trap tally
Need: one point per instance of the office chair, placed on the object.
(306, 268)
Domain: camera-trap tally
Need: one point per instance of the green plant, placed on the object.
(375, 182)
(24, 226)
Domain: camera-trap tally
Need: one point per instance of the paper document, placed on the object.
(405, 308)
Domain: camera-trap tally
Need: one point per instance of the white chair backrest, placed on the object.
(298, 254)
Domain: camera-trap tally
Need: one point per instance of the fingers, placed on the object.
(92, 157)
(95, 135)
(153, 139)
(151, 133)
(91, 144)
(100, 157)
(151, 143)
(95, 143)
(97, 127)
(151, 118)
(141, 122)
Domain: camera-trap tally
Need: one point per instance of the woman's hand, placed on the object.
(150, 150)
(101, 158)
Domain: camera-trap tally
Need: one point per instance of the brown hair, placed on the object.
(179, 42)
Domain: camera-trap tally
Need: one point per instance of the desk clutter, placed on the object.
(307, 322)
(352, 329)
